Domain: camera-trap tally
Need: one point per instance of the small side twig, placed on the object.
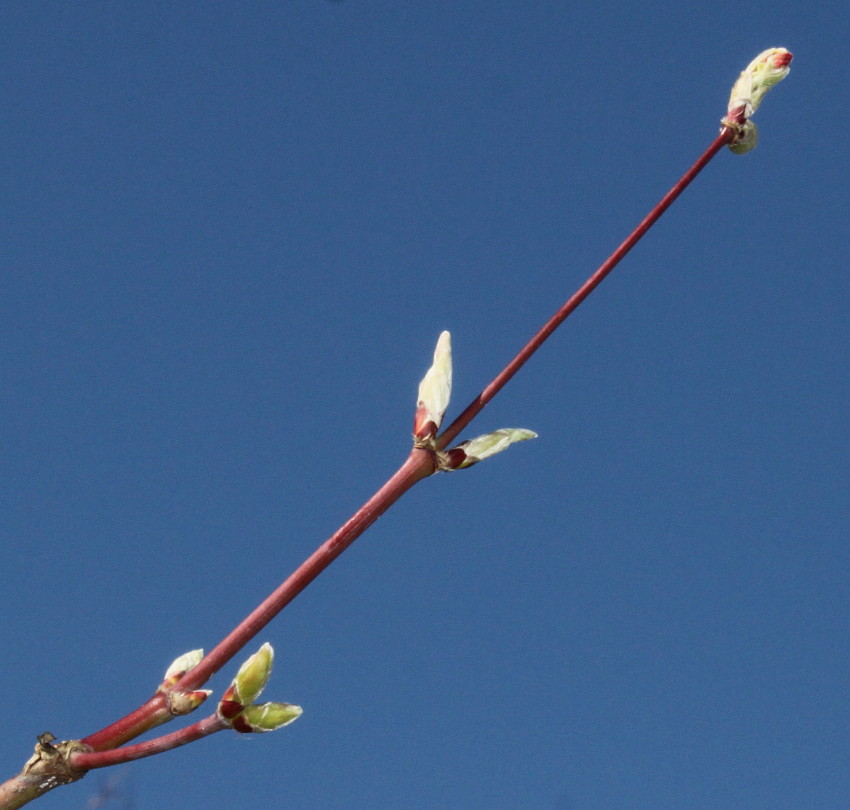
(88, 760)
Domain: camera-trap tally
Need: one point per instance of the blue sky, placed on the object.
(232, 233)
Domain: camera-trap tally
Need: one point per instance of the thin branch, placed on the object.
(420, 464)
(52, 765)
(101, 759)
(150, 714)
(501, 379)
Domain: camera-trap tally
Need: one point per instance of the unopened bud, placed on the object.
(474, 450)
(179, 667)
(766, 70)
(180, 703)
(746, 138)
(434, 392)
(263, 717)
(251, 679)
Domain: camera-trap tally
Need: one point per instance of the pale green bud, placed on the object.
(266, 717)
(746, 139)
(434, 392)
(253, 675)
(474, 450)
(179, 667)
(766, 70)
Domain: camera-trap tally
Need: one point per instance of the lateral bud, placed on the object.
(263, 717)
(179, 667)
(180, 703)
(474, 450)
(249, 682)
(434, 393)
(746, 138)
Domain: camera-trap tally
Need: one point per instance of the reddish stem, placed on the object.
(483, 399)
(150, 714)
(419, 464)
(100, 759)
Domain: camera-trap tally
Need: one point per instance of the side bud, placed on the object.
(259, 718)
(434, 393)
(179, 667)
(746, 138)
(249, 682)
(180, 703)
(474, 450)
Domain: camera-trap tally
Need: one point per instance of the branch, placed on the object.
(422, 462)
(51, 766)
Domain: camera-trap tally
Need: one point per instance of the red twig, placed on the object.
(101, 759)
(481, 401)
(51, 766)
(150, 714)
(418, 465)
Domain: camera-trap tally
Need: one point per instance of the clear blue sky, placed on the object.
(231, 234)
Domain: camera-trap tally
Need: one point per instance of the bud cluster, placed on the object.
(434, 393)
(766, 70)
(237, 707)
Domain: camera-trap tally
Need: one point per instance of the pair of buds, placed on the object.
(434, 393)
(236, 708)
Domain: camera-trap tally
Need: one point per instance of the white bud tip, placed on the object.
(490, 444)
(182, 664)
(435, 390)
